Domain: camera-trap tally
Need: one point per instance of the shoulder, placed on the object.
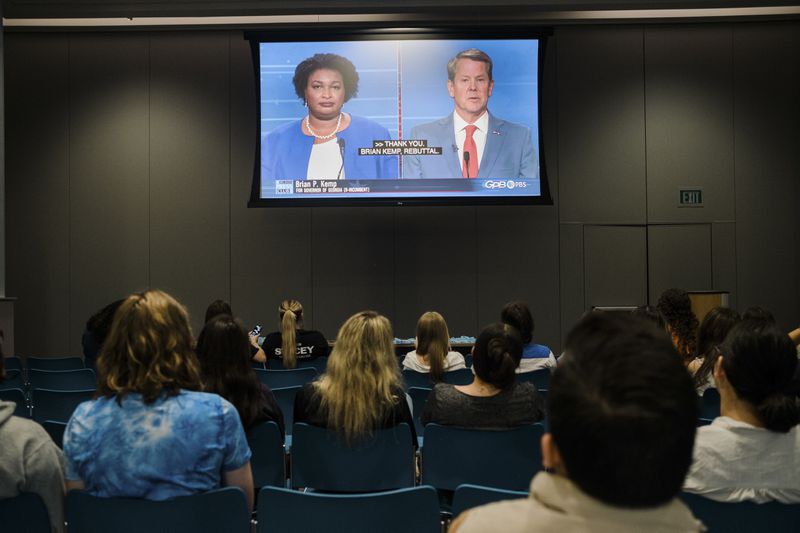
(510, 128)
(27, 432)
(445, 392)
(361, 125)
(288, 130)
(433, 126)
(312, 335)
(508, 516)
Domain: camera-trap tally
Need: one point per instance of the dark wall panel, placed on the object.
(767, 112)
(679, 256)
(601, 162)
(615, 265)
(723, 260)
(571, 282)
(37, 151)
(190, 167)
(108, 172)
(689, 121)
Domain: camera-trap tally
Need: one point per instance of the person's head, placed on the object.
(290, 315)
(433, 342)
(216, 308)
(682, 323)
(325, 82)
(758, 314)
(470, 83)
(100, 322)
(622, 412)
(757, 365)
(149, 350)
(223, 350)
(518, 315)
(496, 355)
(362, 376)
(712, 332)
(650, 314)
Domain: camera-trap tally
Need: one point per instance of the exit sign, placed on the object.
(690, 197)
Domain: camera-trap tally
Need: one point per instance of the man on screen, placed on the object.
(475, 143)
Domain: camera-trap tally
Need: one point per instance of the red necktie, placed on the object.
(471, 170)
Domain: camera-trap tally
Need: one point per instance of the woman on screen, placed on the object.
(325, 143)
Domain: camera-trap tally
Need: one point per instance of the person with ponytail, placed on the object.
(361, 389)
(293, 343)
(494, 399)
(715, 327)
(752, 451)
(433, 354)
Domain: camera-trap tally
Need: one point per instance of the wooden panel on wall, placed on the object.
(679, 256)
(437, 257)
(190, 167)
(601, 125)
(615, 263)
(689, 121)
(767, 111)
(353, 258)
(108, 172)
(517, 259)
(37, 144)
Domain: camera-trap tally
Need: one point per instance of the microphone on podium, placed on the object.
(340, 142)
(466, 162)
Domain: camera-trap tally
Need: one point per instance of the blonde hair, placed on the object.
(290, 313)
(149, 350)
(362, 378)
(433, 342)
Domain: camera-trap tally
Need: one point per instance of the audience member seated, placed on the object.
(361, 389)
(682, 323)
(534, 356)
(150, 433)
(224, 353)
(494, 399)
(622, 422)
(757, 313)
(713, 330)
(651, 314)
(96, 332)
(292, 342)
(221, 307)
(30, 461)
(433, 354)
(752, 451)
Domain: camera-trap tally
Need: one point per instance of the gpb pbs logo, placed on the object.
(505, 184)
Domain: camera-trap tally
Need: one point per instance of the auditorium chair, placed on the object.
(17, 396)
(540, 378)
(269, 458)
(79, 379)
(56, 431)
(25, 513)
(57, 405)
(279, 379)
(54, 363)
(709, 404)
(468, 496)
(744, 517)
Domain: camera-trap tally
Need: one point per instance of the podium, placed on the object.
(705, 301)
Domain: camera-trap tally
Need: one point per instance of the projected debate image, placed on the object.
(399, 119)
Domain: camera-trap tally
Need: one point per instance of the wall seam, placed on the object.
(646, 183)
(69, 189)
(149, 160)
(230, 176)
(733, 163)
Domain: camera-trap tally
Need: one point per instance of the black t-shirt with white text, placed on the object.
(310, 345)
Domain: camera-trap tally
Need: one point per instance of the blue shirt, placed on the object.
(535, 351)
(176, 446)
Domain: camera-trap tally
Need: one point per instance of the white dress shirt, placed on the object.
(459, 125)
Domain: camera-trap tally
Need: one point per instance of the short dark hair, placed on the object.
(623, 411)
(340, 64)
(759, 362)
(216, 308)
(651, 314)
(758, 313)
(518, 314)
(497, 353)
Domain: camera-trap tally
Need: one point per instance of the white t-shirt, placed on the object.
(453, 361)
(734, 461)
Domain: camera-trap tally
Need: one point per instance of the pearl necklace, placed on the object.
(324, 137)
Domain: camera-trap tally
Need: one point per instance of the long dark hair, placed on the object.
(497, 353)
(759, 362)
(676, 307)
(713, 330)
(224, 353)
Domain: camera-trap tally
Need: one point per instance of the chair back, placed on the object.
(13, 380)
(18, 397)
(80, 379)
(468, 360)
(323, 461)
(285, 398)
(57, 405)
(54, 363)
(412, 378)
(744, 517)
(502, 459)
(56, 431)
(398, 511)
(269, 459)
(468, 496)
(12, 363)
(217, 510)
(319, 363)
(709, 404)
(540, 378)
(419, 397)
(279, 379)
(24, 513)
(462, 376)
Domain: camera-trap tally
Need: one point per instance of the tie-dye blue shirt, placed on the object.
(176, 446)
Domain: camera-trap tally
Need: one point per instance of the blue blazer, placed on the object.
(508, 152)
(285, 152)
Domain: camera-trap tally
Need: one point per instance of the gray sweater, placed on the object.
(30, 462)
(519, 405)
